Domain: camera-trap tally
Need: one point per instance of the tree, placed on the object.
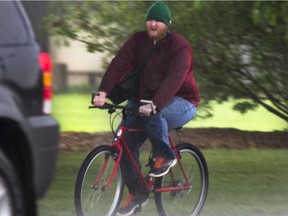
(240, 48)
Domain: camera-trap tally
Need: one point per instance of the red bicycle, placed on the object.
(99, 186)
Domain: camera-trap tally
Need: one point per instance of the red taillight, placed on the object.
(46, 66)
(45, 62)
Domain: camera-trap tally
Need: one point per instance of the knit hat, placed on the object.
(159, 11)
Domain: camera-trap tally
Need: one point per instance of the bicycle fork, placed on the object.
(116, 156)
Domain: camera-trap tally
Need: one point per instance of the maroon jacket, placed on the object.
(168, 73)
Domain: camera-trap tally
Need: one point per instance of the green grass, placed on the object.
(71, 110)
(249, 182)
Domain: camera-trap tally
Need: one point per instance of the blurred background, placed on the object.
(241, 61)
(240, 51)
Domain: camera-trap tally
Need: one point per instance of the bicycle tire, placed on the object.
(184, 201)
(96, 200)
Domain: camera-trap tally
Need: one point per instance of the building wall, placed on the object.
(75, 56)
(72, 64)
(74, 60)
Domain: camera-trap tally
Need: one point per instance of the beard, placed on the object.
(156, 33)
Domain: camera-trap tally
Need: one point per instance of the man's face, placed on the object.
(155, 29)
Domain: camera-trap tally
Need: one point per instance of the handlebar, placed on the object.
(125, 110)
(112, 108)
(108, 106)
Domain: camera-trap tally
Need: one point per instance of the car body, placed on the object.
(28, 134)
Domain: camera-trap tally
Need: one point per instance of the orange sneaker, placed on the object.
(132, 204)
(162, 166)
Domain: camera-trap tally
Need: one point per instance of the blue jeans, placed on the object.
(177, 113)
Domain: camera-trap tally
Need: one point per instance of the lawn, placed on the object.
(250, 182)
(71, 110)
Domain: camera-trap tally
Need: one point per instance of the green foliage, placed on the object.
(239, 57)
(244, 106)
(240, 47)
(102, 26)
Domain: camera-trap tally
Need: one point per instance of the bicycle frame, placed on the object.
(103, 167)
(174, 188)
(120, 144)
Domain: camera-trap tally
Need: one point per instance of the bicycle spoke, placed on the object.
(186, 200)
(95, 199)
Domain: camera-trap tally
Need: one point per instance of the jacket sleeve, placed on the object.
(120, 64)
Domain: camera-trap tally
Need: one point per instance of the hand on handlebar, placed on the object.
(147, 109)
(100, 99)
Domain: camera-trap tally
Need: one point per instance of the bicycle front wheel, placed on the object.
(184, 201)
(92, 194)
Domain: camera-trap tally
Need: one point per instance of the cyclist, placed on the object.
(168, 80)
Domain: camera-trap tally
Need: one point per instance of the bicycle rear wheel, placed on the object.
(184, 201)
(91, 196)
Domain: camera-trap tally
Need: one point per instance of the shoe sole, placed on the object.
(164, 173)
(130, 212)
(133, 210)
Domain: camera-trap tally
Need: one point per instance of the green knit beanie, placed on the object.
(159, 11)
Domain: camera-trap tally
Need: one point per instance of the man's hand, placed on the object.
(147, 109)
(100, 99)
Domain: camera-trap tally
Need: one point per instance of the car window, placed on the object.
(13, 29)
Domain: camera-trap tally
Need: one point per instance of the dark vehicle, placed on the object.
(28, 134)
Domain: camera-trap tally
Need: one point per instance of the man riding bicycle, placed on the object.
(168, 81)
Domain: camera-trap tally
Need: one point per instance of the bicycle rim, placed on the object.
(188, 201)
(94, 199)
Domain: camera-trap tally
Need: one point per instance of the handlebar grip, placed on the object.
(105, 106)
(111, 108)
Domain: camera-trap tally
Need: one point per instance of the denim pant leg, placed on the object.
(134, 140)
(176, 114)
